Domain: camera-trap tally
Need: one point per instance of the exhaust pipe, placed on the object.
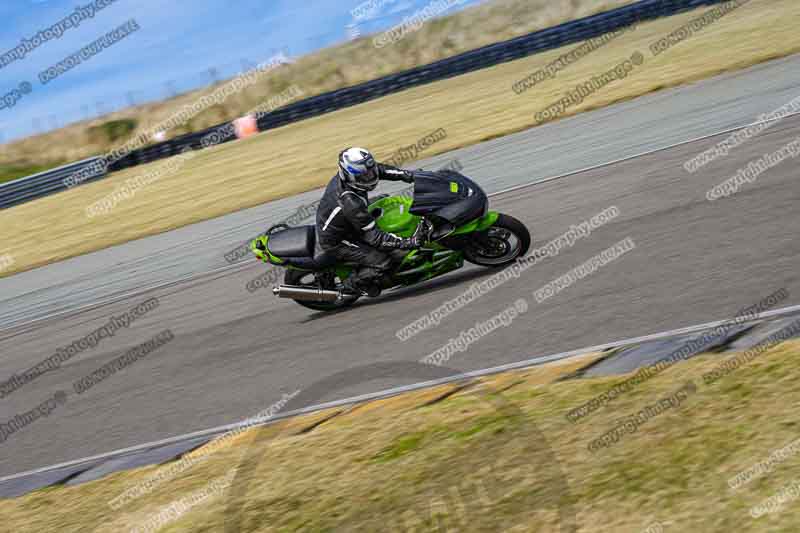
(305, 294)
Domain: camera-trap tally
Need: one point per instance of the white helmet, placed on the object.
(357, 169)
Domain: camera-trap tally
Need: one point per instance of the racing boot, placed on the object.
(365, 282)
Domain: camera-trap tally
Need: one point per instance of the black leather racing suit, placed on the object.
(346, 229)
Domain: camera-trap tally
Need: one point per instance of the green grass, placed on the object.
(404, 445)
(12, 172)
(483, 460)
(112, 131)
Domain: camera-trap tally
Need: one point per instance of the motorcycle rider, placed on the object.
(347, 230)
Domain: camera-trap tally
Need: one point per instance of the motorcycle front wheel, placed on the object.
(505, 241)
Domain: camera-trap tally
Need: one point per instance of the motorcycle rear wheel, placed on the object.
(505, 241)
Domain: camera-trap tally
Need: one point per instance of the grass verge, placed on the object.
(498, 456)
(471, 108)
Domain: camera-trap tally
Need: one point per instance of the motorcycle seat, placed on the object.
(298, 246)
(293, 242)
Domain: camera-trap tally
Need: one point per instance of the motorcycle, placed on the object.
(463, 229)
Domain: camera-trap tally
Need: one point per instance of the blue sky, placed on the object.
(179, 41)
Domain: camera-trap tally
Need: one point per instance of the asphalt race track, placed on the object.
(236, 352)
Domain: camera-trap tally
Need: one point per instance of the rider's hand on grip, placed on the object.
(422, 234)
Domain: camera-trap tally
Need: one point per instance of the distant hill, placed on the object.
(316, 73)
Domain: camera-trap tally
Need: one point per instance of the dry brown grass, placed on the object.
(471, 108)
(323, 71)
(392, 463)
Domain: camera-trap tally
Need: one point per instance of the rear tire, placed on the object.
(506, 240)
(307, 279)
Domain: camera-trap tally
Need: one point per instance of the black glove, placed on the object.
(418, 240)
(422, 234)
(408, 176)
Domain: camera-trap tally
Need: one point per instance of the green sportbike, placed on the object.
(464, 229)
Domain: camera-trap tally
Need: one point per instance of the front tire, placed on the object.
(505, 241)
(325, 281)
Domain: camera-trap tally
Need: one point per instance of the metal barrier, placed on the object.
(494, 54)
(48, 182)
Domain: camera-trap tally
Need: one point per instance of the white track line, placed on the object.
(535, 361)
(642, 154)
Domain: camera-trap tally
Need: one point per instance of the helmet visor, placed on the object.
(367, 179)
